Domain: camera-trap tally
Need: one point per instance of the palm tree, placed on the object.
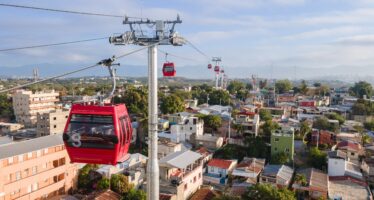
(300, 179)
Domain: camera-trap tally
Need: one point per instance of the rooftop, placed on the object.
(281, 171)
(315, 178)
(349, 145)
(180, 159)
(252, 164)
(348, 188)
(220, 163)
(14, 149)
(204, 194)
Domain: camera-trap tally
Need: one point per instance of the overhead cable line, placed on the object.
(73, 72)
(177, 56)
(52, 44)
(197, 49)
(65, 11)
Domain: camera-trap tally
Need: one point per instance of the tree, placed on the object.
(219, 97)
(265, 115)
(366, 139)
(369, 126)
(268, 192)
(361, 89)
(256, 147)
(323, 124)
(212, 121)
(303, 87)
(235, 86)
(300, 179)
(263, 84)
(336, 116)
(269, 126)
(323, 90)
(103, 184)
(183, 94)
(283, 86)
(134, 195)
(304, 128)
(226, 197)
(249, 86)
(136, 100)
(84, 181)
(171, 104)
(119, 183)
(6, 107)
(316, 158)
(279, 159)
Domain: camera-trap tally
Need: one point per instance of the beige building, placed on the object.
(27, 104)
(9, 127)
(166, 147)
(36, 169)
(51, 123)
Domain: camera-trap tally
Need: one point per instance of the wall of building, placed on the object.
(282, 142)
(51, 123)
(336, 167)
(40, 174)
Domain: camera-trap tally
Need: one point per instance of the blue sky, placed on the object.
(245, 33)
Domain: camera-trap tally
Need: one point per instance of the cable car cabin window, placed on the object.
(126, 129)
(123, 130)
(92, 131)
(169, 69)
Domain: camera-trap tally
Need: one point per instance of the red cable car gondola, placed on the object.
(98, 134)
(168, 69)
(216, 69)
(210, 66)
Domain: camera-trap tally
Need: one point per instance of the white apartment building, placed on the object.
(27, 105)
(183, 130)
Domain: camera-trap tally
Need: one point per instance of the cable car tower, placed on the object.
(160, 36)
(216, 60)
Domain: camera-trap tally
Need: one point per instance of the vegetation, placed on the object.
(234, 86)
(136, 100)
(301, 179)
(103, 184)
(304, 129)
(211, 121)
(336, 116)
(369, 125)
(119, 183)
(363, 107)
(134, 195)
(317, 159)
(283, 86)
(267, 191)
(268, 127)
(84, 181)
(171, 104)
(279, 159)
(227, 197)
(265, 115)
(361, 89)
(323, 124)
(303, 87)
(6, 107)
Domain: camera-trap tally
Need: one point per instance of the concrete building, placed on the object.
(182, 127)
(249, 121)
(9, 127)
(249, 168)
(316, 185)
(27, 105)
(181, 174)
(345, 187)
(51, 123)
(166, 147)
(36, 169)
(218, 170)
(283, 141)
(277, 175)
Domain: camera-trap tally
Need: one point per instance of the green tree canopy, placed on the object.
(265, 115)
(323, 124)
(268, 127)
(283, 86)
(268, 192)
(336, 116)
(303, 87)
(279, 159)
(84, 181)
(136, 100)
(362, 88)
(134, 195)
(211, 121)
(119, 183)
(317, 158)
(363, 107)
(103, 184)
(219, 97)
(235, 86)
(171, 104)
(6, 107)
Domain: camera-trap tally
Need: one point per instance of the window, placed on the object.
(18, 175)
(27, 171)
(29, 188)
(38, 153)
(199, 175)
(54, 118)
(185, 187)
(46, 151)
(275, 149)
(190, 128)
(10, 160)
(194, 179)
(20, 158)
(211, 169)
(35, 186)
(34, 170)
(54, 126)
(29, 155)
(45, 165)
(352, 154)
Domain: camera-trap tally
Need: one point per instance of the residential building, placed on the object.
(51, 123)
(27, 105)
(316, 186)
(249, 168)
(367, 166)
(353, 149)
(218, 170)
(345, 187)
(9, 127)
(206, 193)
(276, 112)
(207, 140)
(206, 154)
(249, 121)
(282, 140)
(183, 129)
(166, 147)
(277, 175)
(322, 137)
(181, 173)
(338, 166)
(36, 169)
(134, 162)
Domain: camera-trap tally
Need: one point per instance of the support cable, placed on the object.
(52, 44)
(66, 11)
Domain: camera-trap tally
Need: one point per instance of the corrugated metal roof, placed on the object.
(180, 159)
(18, 148)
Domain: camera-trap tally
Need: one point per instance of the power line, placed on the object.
(53, 44)
(64, 11)
(177, 56)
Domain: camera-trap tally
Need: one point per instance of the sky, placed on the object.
(247, 34)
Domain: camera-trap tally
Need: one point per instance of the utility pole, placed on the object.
(161, 37)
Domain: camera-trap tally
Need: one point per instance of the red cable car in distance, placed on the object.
(216, 69)
(98, 134)
(168, 69)
(210, 66)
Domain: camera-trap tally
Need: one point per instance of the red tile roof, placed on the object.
(220, 163)
(204, 194)
(348, 145)
(203, 151)
(165, 196)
